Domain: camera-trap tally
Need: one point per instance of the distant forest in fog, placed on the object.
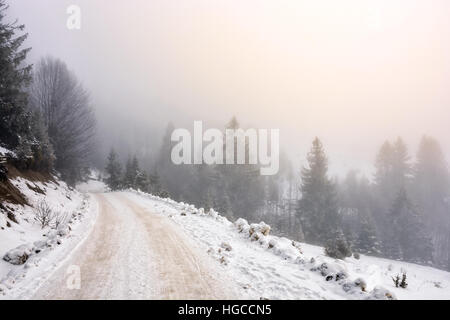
(402, 212)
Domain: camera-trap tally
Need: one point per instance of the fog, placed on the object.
(354, 73)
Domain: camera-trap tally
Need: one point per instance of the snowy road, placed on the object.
(132, 253)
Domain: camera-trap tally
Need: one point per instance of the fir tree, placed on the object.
(113, 169)
(155, 184)
(129, 175)
(367, 241)
(15, 76)
(408, 239)
(431, 190)
(337, 246)
(318, 209)
(42, 149)
(142, 181)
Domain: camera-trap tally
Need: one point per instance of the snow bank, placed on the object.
(29, 253)
(267, 266)
(4, 152)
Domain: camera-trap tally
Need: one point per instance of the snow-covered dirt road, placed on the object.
(133, 253)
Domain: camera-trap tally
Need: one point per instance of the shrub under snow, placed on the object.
(259, 233)
(19, 255)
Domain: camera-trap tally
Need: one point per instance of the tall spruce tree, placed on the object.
(114, 170)
(367, 241)
(318, 208)
(409, 239)
(129, 175)
(431, 190)
(15, 76)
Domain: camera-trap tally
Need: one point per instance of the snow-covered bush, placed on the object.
(213, 213)
(338, 248)
(380, 293)
(242, 225)
(226, 246)
(19, 255)
(261, 227)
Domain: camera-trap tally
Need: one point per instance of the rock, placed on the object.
(223, 260)
(226, 246)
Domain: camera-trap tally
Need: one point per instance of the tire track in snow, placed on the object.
(132, 253)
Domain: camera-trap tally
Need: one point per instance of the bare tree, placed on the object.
(64, 104)
(60, 219)
(43, 214)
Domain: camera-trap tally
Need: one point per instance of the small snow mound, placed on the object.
(213, 213)
(261, 227)
(242, 225)
(380, 293)
(19, 255)
(226, 246)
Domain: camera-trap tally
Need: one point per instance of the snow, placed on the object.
(30, 254)
(257, 264)
(266, 266)
(92, 186)
(4, 151)
(135, 254)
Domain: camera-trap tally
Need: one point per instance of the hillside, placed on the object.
(255, 264)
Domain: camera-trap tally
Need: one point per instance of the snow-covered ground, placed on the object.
(266, 266)
(257, 264)
(92, 186)
(45, 248)
(4, 152)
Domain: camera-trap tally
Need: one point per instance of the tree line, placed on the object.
(402, 212)
(45, 115)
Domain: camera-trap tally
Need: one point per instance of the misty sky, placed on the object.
(353, 72)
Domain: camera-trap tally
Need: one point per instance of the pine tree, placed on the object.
(431, 190)
(155, 184)
(393, 169)
(337, 246)
(113, 169)
(408, 238)
(402, 168)
(42, 149)
(318, 209)
(15, 76)
(129, 175)
(393, 177)
(367, 241)
(176, 180)
(237, 189)
(142, 181)
(384, 168)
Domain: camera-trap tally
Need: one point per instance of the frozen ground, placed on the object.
(134, 253)
(131, 245)
(276, 268)
(46, 248)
